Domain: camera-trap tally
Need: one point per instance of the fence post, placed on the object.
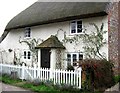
(51, 73)
(23, 71)
(80, 71)
(35, 71)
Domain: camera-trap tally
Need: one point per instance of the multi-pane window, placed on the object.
(72, 58)
(27, 32)
(76, 27)
(27, 54)
(69, 59)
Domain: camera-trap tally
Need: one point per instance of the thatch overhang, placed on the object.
(51, 42)
(50, 12)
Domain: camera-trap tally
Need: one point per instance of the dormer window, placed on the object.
(76, 27)
(27, 32)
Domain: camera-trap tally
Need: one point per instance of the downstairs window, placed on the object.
(72, 58)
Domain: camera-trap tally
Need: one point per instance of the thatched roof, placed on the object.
(49, 12)
(51, 42)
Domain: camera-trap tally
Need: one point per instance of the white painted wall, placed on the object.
(45, 31)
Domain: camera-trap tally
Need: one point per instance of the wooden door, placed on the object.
(45, 58)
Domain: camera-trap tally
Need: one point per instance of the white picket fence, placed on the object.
(43, 74)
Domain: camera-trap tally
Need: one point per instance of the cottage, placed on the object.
(49, 23)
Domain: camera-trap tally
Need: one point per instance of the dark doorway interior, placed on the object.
(45, 58)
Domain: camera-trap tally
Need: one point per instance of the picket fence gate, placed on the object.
(58, 76)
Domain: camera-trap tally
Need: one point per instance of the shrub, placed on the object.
(37, 82)
(117, 78)
(99, 73)
(69, 67)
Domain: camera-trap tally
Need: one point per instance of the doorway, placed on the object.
(45, 58)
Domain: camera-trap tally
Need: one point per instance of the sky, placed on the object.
(10, 8)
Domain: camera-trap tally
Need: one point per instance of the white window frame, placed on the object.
(76, 27)
(71, 59)
(27, 33)
(25, 57)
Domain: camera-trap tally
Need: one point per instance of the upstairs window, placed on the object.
(27, 32)
(76, 27)
(27, 55)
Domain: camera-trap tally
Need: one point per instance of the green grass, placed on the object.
(6, 79)
(41, 87)
(37, 88)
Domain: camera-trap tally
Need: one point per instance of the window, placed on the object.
(76, 27)
(27, 54)
(69, 59)
(27, 32)
(72, 58)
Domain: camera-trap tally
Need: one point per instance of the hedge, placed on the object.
(99, 74)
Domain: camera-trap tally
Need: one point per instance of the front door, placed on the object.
(45, 58)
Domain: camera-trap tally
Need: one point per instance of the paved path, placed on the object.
(114, 89)
(6, 87)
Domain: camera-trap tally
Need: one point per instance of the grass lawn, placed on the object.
(40, 87)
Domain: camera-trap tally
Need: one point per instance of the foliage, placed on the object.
(117, 78)
(36, 82)
(93, 41)
(7, 79)
(42, 86)
(67, 88)
(99, 73)
(37, 88)
(69, 67)
(32, 43)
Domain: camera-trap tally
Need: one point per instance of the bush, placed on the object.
(99, 73)
(69, 67)
(37, 82)
(117, 78)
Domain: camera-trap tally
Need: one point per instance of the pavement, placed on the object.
(5, 88)
(114, 89)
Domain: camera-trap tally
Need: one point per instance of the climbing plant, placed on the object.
(93, 41)
(32, 43)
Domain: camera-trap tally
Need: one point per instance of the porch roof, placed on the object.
(51, 42)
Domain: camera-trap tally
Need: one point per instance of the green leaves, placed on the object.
(93, 41)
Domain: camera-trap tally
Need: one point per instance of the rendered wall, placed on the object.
(45, 31)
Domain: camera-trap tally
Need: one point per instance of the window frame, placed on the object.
(27, 32)
(76, 27)
(71, 62)
(27, 55)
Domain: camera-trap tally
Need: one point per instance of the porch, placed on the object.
(50, 53)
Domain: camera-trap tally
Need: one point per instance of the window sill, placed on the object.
(27, 38)
(72, 34)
